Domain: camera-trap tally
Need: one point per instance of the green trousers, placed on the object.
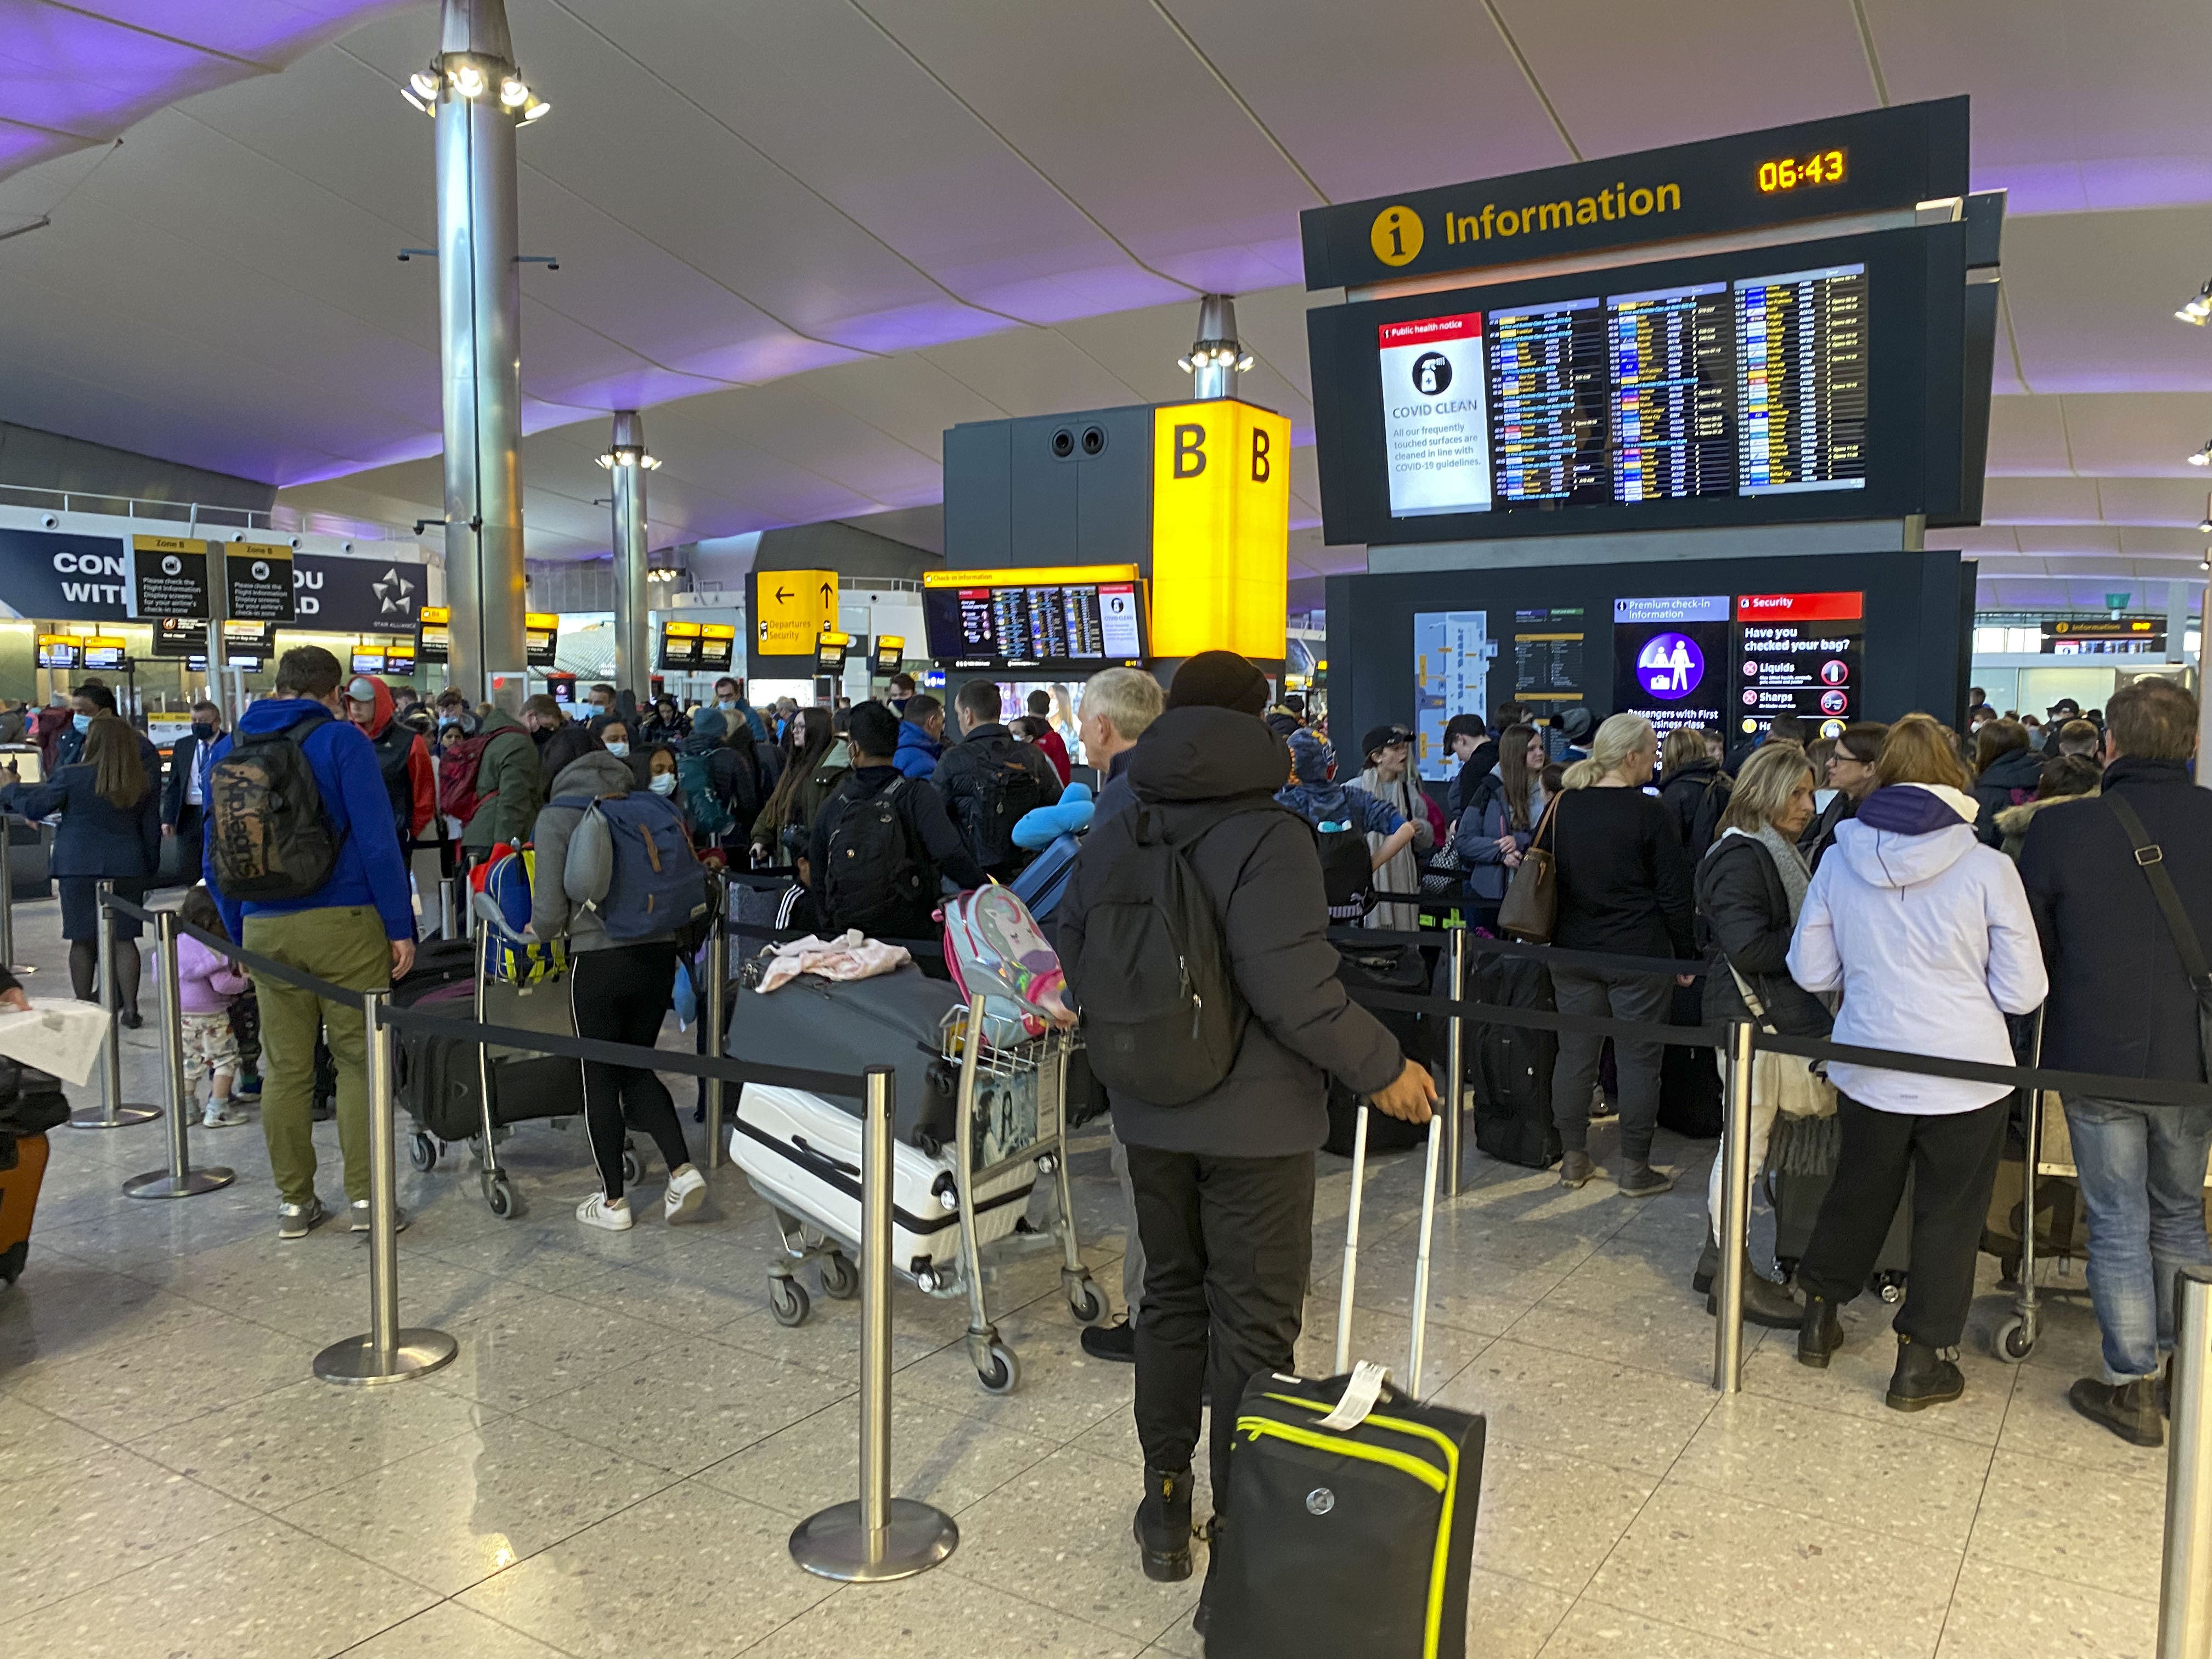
(346, 946)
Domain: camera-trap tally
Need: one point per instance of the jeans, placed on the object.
(2141, 1170)
(1600, 994)
(1228, 1242)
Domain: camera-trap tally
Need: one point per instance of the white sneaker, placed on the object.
(596, 1212)
(686, 1196)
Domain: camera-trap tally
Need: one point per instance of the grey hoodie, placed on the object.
(551, 915)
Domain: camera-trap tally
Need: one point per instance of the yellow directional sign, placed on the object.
(791, 609)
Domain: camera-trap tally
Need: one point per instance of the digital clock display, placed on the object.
(1793, 173)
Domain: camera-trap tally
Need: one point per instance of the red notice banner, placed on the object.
(1800, 607)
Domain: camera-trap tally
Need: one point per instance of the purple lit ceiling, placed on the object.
(806, 236)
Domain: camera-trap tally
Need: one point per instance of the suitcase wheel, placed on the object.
(2012, 1342)
(1087, 1304)
(421, 1150)
(501, 1195)
(1001, 1373)
(841, 1279)
(633, 1166)
(786, 1300)
(1890, 1286)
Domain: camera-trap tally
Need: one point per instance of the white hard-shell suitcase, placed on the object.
(802, 1153)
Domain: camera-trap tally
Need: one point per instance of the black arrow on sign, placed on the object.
(829, 592)
(782, 596)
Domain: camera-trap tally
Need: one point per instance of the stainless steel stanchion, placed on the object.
(179, 1180)
(8, 899)
(114, 1112)
(880, 1537)
(1735, 1209)
(388, 1353)
(1454, 1091)
(1350, 1278)
(445, 918)
(2184, 1597)
(718, 1001)
(1421, 1263)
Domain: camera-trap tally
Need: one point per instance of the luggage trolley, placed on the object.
(2015, 1338)
(1010, 1110)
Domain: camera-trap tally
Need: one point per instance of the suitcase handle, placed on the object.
(837, 1163)
(1346, 1296)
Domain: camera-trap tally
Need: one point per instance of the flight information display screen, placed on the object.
(1094, 624)
(1824, 380)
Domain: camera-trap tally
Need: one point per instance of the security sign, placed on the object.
(792, 609)
(260, 583)
(1221, 529)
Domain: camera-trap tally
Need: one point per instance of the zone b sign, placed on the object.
(1221, 527)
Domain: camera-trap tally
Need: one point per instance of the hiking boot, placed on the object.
(1924, 1376)
(1765, 1301)
(1639, 1180)
(1820, 1333)
(1116, 1342)
(298, 1220)
(1708, 1268)
(1203, 1615)
(1575, 1169)
(2128, 1409)
(1163, 1526)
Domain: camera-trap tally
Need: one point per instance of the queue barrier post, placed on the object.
(8, 899)
(879, 1537)
(1454, 1093)
(388, 1352)
(2184, 1599)
(447, 918)
(114, 1112)
(179, 1180)
(1735, 1209)
(717, 1001)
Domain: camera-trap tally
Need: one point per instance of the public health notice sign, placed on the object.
(1436, 426)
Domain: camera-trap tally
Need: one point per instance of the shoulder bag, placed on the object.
(1531, 907)
(1795, 1086)
(2150, 858)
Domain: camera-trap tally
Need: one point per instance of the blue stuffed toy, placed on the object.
(1070, 815)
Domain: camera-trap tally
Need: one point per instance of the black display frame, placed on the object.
(1916, 392)
(1062, 666)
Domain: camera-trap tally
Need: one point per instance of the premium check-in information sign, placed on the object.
(1436, 428)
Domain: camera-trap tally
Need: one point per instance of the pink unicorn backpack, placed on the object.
(995, 950)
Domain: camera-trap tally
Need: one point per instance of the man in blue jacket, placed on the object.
(356, 930)
(921, 737)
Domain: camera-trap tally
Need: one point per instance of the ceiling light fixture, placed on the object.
(469, 81)
(407, 93)
(513, 92)
(425, 82)
(535, 108)
(2205, 527)
(617, 455)
(2202, 457)
(2198, 308)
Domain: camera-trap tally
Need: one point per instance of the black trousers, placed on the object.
(191, 844)
(1228, 1242)
(1952, 1161)
(622, 995)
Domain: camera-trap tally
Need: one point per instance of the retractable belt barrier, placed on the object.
(1552, 956)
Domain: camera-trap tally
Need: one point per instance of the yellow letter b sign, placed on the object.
(1221, 529)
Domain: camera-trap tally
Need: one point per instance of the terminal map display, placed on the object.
(1451, 662)
(982, 624)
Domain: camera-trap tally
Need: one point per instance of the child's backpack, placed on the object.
(996, 950)
(710, 813)
(505, 877)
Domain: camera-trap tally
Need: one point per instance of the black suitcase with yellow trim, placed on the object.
(1350, 1525)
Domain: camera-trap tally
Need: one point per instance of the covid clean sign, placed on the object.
(1436, 426)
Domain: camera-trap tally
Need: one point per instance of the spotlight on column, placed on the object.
(2198, 308)
(513, 92)
(1215, 357)
(2202, 456)
(468, 80)
(2205, 528)
(535, 108)
(617, 455)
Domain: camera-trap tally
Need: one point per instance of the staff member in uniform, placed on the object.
(184, 793)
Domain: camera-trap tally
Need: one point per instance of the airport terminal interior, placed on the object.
(1752, 380)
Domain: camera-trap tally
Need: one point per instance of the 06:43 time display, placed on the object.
(1826, 168)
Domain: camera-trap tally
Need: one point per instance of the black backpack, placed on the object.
(874, 882)
(990, 797)
(272, 840)
(393, 746)
(1161, 1018)
(1348, 873)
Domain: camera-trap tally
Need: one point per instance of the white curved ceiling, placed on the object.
(807, 235)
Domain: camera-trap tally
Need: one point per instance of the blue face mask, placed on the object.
(83, 722)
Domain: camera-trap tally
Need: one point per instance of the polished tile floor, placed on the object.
(617, 1458)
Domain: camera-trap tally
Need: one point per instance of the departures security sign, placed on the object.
(791, 609)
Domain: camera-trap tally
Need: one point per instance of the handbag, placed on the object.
(1793, 1086)
(2150, 858)
(1530, 909)
(1442, 877)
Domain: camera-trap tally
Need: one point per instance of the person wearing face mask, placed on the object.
(86, 701)
(660, 777)
(614, 734)
(184, 793)
(602, 700)
(730, 698)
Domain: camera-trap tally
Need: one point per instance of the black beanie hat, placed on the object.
(1219, 679)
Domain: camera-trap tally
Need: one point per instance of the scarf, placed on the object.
(1796, 875)
(1403, 873)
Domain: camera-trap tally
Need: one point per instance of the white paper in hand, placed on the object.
(61, 1037)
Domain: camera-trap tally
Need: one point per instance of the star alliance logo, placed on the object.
(395, 593)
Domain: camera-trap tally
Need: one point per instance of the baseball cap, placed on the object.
(361, 689)
(1383, 736)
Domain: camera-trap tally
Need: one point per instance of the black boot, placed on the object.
(2128, 1409)
(1708, 1268)
(1204, 1614)
(1820, 1333)
(1765, 1301)
(1163, 1527)
(1924, 1378)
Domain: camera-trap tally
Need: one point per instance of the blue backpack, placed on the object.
(630, 864)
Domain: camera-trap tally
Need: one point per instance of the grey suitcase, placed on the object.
(896, 1020)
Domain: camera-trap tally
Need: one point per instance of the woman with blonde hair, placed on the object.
(1624, 888)
(1751, 887)
(1928, 935)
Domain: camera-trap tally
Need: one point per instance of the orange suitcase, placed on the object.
(18, 1200)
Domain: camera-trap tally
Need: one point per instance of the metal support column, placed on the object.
(388, 1353)
(8, 899)
(179, 1180)
(480, 338)
(1454, 1089)
(626, 463)
(1735, 1209)
(2184, 1599)
(717, 1019)
(114, 1112)
(879, 1537)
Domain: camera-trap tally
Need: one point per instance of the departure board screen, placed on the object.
(1802, 389)
(1092, 623)
(1672, 361)
(1547, 403)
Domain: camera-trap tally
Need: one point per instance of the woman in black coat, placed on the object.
(1693, 787)
(1750, 888)
(111, 830)
(2006, 773)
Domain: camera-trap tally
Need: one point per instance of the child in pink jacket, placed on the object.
(207, 984)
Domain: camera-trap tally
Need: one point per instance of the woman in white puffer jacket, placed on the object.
(1927, 934)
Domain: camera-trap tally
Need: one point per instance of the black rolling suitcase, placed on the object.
(1512, 1065)
(1689, 1078)
(1797, 1180)
(1350, 1525)
(1398, 968)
